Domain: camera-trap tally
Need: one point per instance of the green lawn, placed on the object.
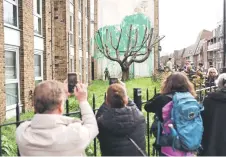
(97, 88)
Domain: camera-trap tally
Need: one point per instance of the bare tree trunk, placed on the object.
(125, 74)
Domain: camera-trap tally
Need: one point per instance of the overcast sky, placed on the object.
(180, 20)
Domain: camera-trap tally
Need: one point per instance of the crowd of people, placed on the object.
(180, 124)
(197, 75)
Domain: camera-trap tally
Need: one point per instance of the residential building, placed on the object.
(40, 40)
(178, 58)
(194, 53)
(188, 53)
(215, 48)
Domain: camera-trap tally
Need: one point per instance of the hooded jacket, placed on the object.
(115, 124)
(57, 135)
(214, 115)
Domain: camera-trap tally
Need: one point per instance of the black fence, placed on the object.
(137, 99)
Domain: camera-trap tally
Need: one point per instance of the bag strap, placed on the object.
(138, 148)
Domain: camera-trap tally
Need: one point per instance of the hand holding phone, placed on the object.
(72, 81)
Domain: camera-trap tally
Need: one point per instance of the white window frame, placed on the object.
(35, 14)
(17, 80)
(17, 13)
(41, 54)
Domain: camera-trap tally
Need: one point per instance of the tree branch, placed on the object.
(148, 52)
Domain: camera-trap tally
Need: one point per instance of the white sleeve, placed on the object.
(88, 130)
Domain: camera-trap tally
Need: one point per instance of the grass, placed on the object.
(97, 88)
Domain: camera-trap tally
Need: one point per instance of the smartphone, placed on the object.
(72, 81)
(113, 80)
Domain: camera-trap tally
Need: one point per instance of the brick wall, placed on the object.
(89, 45)
(2, 65)
(48, 62)
(84, 27)
(76, 39)
(95, 30)
(27, 82)
(60, 39)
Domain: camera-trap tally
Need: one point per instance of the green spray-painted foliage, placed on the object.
(139, 23)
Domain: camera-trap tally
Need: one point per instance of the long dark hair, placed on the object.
(177, 82)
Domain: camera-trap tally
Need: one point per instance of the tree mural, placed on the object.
(130, 42)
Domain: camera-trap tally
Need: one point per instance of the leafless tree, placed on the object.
(134, 53)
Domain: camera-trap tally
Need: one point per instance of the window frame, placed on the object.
(40, 78)
(35, 14)
(17, 80)
(17, 13)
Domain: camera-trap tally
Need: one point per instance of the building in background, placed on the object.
(40, 40)
(215, 48)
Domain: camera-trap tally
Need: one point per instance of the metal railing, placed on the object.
(201, 93)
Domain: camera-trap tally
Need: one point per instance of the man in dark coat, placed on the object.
(118, 120)
(214, 115)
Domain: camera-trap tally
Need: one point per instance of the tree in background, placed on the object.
(131, 42)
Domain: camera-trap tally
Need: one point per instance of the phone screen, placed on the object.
(72, 81)
(113, 80)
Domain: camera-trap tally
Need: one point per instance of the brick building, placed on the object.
(40, 40)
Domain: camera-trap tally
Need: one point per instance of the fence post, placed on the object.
(105, 95)
(18, 121)
(137, 93)
(148, 123)
(67, 107)
(95, 141)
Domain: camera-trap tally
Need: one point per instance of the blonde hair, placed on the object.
(212, 69)
(177, 82)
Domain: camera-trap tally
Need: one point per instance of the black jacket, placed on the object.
(114, 126)
(156, 104)
(214, 116)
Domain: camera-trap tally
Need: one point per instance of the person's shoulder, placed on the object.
(22, 127)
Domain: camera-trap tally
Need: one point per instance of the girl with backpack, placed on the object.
(178, 125)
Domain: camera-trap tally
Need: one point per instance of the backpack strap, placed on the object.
(138, 148)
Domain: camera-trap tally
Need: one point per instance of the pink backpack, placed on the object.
(169, 151)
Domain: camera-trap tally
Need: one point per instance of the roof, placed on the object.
(199, 47)
(189, 51)
(178, 53)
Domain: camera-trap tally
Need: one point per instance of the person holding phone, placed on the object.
(49, 133)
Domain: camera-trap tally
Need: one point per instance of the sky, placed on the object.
(179, 20)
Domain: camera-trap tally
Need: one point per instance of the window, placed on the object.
(37, 16)
(79, 5)
(80, 68)
(71, 23)
(80, 35)
(38, 67)
(11, 12)
(71, 34)
(12, 76)
(87, 69)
